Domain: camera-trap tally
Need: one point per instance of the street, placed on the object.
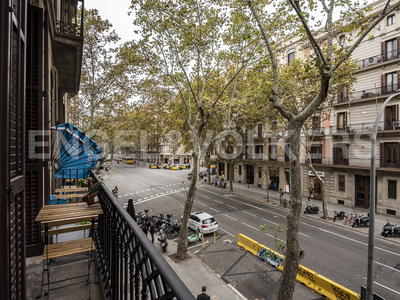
(339, 254)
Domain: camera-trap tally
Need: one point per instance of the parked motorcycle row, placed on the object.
(162, 224)
(311, 208)
(221, 183)
(353, 219)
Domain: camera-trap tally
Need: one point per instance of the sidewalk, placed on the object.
(194, 274)
(260, 195)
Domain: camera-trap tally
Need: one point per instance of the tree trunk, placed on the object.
(324, 203)
(267, 175)
(181, 252)
(231, 166)
(207, 160)
(293, 250)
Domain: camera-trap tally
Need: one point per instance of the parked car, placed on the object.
(155, 166)
(166, 166)
(187, 166)
(203, 221)
(175, 167)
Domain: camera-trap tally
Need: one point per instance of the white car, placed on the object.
(204, 221)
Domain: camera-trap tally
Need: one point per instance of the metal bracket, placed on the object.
(10, 9)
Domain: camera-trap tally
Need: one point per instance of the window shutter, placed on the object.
(383, 83)
(382, 155)
(398, 80)
(397, 45)
(345, 119)
(383, 50)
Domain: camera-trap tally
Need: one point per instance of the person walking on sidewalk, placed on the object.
(152, 231)
(144, 228)
(280, 193)
(222, 176)
(203, 295)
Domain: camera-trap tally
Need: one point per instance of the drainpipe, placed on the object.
(371, 238)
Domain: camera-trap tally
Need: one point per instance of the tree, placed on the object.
(269, 26)
(183, 43)
(106, 75)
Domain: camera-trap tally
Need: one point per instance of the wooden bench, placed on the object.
(67, 248)
(74, 190)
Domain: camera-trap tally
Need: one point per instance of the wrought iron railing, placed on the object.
(368, 93)
(364, 127)
(70, 28)
(130, 265)
(356, 162)
(377, 59)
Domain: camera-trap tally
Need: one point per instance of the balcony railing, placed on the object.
(377, 59)
(364, 127)
(69, 17)
(355, 162)
(369, 93)
(130, 265)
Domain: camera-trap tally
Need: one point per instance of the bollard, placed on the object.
(215, 234)
(202, 238)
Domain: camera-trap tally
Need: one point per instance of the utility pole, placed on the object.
(371, 238)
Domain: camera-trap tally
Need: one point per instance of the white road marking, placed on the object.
(387, 266)
(174, 183)
(251, 226)
(142, 190)
(151, 196)
(226, 232)
(227, 241)
(156, 194)
(347, 238)
(384, 287)
(231, 206)
(139, 199)
(125, 195)
(145, 197)
(196, 251)
(137, 192)
(229, 217)
(269, 234)
(270, 222)
(198, 245)
(162, 193)
(133, 193)
(303, 234)
(119, 196)
(249, 214)
(148, 189)
(200, 203)
(219, 201)
(205, 197)
(214, 209)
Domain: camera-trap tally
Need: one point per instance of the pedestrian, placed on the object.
(144, 228)
(280, 193)
(203, 295)
(152, 231)
(222, 175)
(248, 183)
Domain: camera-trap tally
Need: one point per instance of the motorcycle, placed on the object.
(190, 176)
(115, 194)
(360, 220)
(223, 186)
(311, 208)
(142, 217)
(196, 236)
(173, 229)
(390, 229)
(163, 242)
(220, 183)
(339, 215)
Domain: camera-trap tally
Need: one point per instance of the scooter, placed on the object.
(311, 208)
(163, 242)
(360, 220)
(339, 215)
(223, 186)
(194, 236)
(115, 194)
(390, 229)
(173, 229)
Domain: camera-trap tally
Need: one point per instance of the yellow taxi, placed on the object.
(155, 166)
(129, 160)
(175, 167)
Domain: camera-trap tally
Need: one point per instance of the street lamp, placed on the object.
(371, 238)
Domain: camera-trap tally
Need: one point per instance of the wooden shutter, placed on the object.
(397, 45)
(383, 50)
(383, 84)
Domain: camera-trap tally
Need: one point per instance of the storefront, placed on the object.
(314, 185)
(287, 181)
(273, 178)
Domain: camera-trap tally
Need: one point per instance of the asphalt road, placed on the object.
(337, 253)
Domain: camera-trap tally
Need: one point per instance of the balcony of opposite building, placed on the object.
(67, 43)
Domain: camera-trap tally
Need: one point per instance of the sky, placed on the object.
(116, 12)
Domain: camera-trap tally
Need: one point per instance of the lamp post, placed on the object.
(371, 238)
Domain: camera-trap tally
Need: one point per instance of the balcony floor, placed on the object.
(34, 267)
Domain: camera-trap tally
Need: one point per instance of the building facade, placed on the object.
(41, 54)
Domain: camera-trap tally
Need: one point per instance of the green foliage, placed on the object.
(83, 182)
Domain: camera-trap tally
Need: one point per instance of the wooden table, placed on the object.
(61, 214)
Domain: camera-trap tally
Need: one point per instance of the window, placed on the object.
(342, 40)
(291, 56)
(391, 49)
(273, 152)
(240, 170)
(391, 153)
(391, 82)
(259, 131)
(342, 183)
(260, 173)
(392, 189)
(316, 154)
(391, 20)
(259, 151)
(341, 121)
